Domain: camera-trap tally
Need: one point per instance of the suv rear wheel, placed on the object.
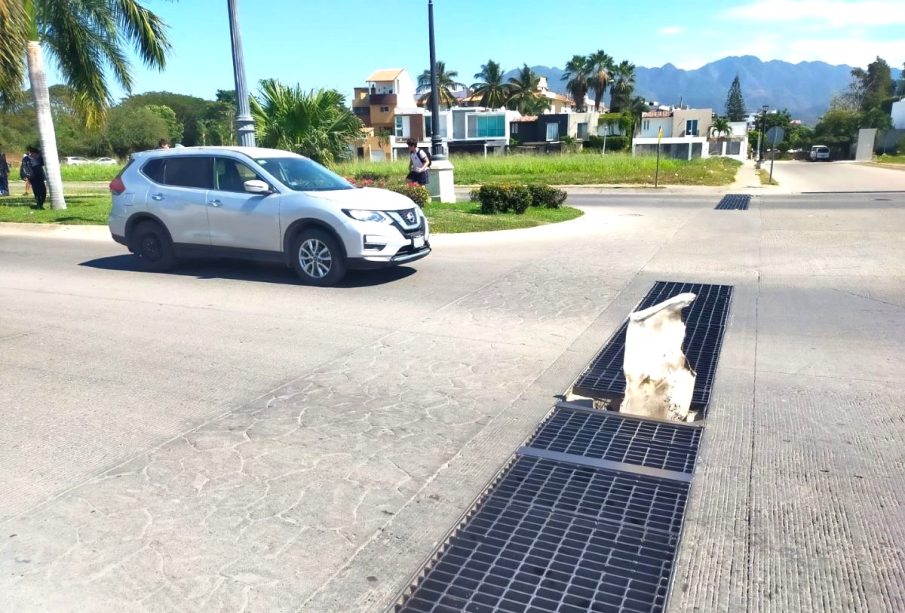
(317, 258)
(153, 247)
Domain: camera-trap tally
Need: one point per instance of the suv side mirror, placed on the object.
(256, 186)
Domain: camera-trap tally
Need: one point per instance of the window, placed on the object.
(582, 131)
(486, 126)
(189, 172)
(645, 125)
(552, 131)
(154, 170)
(230, 175)
(302, 174)
(398, 128)
(514, 128)
(384, 109)
(691, 127)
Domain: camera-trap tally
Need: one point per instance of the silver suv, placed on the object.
(260, 204)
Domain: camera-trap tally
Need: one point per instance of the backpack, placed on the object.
(25, 169)
(427, 154)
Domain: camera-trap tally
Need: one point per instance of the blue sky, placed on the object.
(338, 44)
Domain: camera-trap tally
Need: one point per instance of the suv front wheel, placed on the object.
(317, 258)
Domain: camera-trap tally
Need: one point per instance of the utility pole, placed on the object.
(245, 124)
(760, 139)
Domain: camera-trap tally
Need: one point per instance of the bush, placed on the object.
(546, 196)
(613, 143)
(417, 193)
(504, 198)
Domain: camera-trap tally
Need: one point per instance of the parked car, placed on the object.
(261, 204)
(75, 160)
(105, 161)
(820, 152)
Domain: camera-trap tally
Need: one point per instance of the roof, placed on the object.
(385, 74)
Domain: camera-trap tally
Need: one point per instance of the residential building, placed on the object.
(552, 127)
(387, 105)
(681, 132)
(472, 129)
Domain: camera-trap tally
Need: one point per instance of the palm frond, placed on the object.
(13, 38)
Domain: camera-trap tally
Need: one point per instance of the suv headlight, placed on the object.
(361, 215)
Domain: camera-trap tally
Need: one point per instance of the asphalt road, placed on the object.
(222, 438)
(803, 177)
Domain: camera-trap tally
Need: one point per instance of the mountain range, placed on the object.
(805, 89)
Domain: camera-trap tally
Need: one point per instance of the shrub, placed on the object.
(546, 196)
(616, 143)
(417, 193)
(504, 198)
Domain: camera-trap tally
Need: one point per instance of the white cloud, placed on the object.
(830, 13)
(671, 30)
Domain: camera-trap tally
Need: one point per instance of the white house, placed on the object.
(685, 134)
(898, 115)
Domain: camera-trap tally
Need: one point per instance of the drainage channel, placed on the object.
(734, 202)
(705, 323)
(586, 516)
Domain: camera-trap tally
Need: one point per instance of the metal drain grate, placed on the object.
(610, 436)
(555, 537)
(705, 323)
(734, 202)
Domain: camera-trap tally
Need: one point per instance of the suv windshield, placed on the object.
(303, 175)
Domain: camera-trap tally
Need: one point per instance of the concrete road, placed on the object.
(803, 177)
(222, 438)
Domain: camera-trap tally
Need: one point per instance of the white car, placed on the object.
(262, 204)
(75, 160)
(820, 152)
(109, 161)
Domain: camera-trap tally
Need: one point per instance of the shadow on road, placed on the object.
(242, 270)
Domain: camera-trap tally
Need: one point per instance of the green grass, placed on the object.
(87, 208)
(467, 217)
(89, 172)
(569, 169)
(765, 177)
(890, 159)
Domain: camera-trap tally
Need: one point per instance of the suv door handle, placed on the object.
(157, 197)
(215, 203)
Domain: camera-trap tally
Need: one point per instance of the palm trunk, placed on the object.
(41, 97)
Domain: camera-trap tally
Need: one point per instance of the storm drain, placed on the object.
(734, 202)
(705, 323)
(614, 437)
(557, 537)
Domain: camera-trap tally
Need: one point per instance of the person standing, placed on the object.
(163, 144)
(419, 164)
(25, 172)
(37, 177)
(4, 173)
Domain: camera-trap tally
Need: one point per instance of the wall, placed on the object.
(680, 116)
(653, 124)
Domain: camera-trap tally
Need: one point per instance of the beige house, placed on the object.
(387, 107)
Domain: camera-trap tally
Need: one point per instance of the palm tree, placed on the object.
(601, 65)
(576, 75)
(317, 124)
(493, 92)
(523, 93)
(87, 40)
(446, 82)
(623, 85)
(720, 126)
(637, 107)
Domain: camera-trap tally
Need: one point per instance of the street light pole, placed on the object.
(763, 125)
(436, 141)
(245, 124)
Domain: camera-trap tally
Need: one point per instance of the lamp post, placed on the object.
(436, 142)
(760, 140)
(245, 124)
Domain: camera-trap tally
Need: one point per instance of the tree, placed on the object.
(131, 128)
(174, 127)
(576, 75)
(317, 124)
(735, 103)
(88, 41)
(720, 126)
(637, 108)
(601, 68)
(446, 82)
(623, 86)
(189, 111)
(493, 91)
(523, 93)
(837, 129)
(218, 127)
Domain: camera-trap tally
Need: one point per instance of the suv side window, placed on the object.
(154, 170)
(230, 175)
(195, 172)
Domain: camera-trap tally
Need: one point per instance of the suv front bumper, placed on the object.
(375, 262)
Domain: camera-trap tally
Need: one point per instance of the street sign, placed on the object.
(775, 135)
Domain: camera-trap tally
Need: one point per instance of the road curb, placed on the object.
(51, 230)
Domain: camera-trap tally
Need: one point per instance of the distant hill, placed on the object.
(804, 89)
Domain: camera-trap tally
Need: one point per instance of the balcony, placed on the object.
(383, 99)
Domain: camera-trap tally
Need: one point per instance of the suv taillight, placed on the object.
(117, 186)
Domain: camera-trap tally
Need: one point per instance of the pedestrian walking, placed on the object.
(25, 172)
(419, 164)
(4, 173)
(38, 187)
